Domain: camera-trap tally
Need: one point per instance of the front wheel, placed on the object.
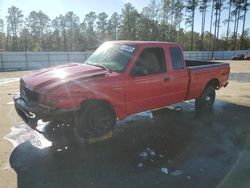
(206, 100)
(95, 120)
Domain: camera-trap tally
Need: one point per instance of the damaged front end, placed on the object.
(28, 108)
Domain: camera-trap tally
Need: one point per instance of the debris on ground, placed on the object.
(177, 173)
(161, 156)
(140, 165)
(149, 156)
(164, 170)
(143, 155)
(188, 177)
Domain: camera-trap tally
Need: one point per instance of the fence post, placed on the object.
(85, 57)
(26, 60)
(48, 60)
(2, 65)
(68, 56)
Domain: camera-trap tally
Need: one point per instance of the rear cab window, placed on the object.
(177, 58)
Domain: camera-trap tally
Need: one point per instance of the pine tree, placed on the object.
(190, 8)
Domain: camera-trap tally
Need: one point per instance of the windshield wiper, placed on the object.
(99, 65)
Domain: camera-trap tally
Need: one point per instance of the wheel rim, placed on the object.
(209, 98)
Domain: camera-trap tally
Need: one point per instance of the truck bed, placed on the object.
(202, 64)
(201, 72)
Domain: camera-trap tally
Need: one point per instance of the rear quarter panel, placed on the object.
(200, 76)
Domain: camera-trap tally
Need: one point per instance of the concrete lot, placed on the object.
(212, 150)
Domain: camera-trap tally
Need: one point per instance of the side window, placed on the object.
(177, 58)
(150, 61)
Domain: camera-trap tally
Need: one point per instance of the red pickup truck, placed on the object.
(119, 79)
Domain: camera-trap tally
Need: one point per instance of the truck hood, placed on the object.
(54, 76)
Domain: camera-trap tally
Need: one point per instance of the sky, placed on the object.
(54, 8)
(80, 7)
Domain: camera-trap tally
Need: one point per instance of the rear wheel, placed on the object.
(95, 119)
(206, 100)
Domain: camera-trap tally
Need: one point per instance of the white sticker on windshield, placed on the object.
(127, 48)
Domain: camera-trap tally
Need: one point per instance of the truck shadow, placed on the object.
(204, 147)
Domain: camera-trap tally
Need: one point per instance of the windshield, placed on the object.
(113, 57)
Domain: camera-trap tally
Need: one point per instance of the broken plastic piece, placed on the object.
(161, 156)
(177, 173)
(164, 170)
(152, 153)
(140, 165)
(144, 155)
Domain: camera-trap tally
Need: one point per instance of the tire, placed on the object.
(95, 119)
(206, 100)
(62, 135)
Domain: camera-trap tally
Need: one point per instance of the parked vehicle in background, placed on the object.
(119, 79)
(247, 57)
(238, 57)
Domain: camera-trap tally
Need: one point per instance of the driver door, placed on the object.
(147, 85)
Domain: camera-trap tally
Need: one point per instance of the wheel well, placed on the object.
(214, 83)
(97, 102)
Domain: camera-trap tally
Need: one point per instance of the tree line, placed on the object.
(160, 20)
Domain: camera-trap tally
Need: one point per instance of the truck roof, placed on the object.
(131, 42)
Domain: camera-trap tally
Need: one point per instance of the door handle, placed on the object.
(167, 79)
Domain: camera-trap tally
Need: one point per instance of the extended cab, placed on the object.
(119, 79)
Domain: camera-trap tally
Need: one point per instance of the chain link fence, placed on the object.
(36, 60)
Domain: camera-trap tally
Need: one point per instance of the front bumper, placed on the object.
(31, 113)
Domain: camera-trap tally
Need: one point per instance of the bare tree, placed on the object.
(211, 24)
(245, 8)
(228, 20)
(238, 6)
(218, 8)
(165, 4)
(190, 8)
(203, 9)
